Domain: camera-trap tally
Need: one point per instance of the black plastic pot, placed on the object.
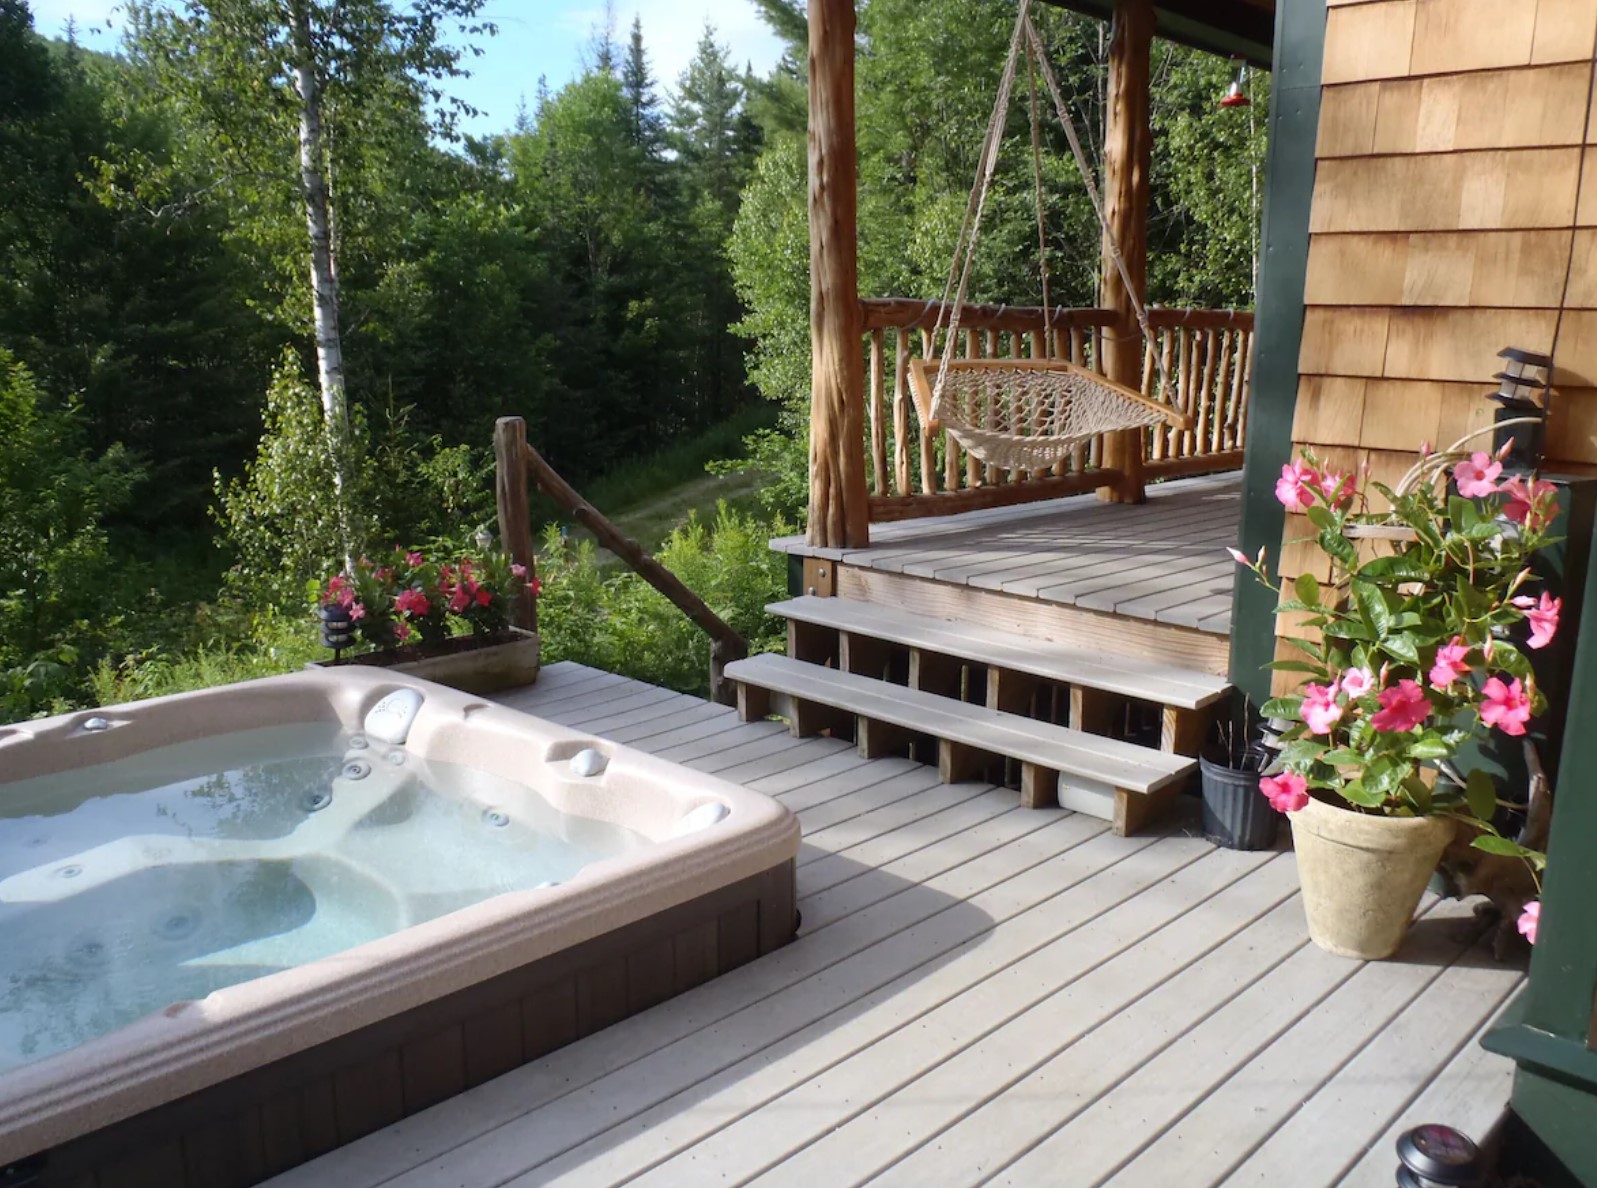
(1236, 814)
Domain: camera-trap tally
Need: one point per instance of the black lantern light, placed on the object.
(1523, 392)
(338, 627)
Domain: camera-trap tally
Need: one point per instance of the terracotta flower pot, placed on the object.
(1363, 875)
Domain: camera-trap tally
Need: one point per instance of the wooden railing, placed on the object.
(911, 472)
(516, 463)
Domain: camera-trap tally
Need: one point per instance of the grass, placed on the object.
(650, 497)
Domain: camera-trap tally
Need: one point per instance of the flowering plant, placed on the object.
(410, 598)
(1422, 637)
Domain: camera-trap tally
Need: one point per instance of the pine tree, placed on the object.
(637, 83)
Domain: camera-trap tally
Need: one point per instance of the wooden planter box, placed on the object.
(471, 663)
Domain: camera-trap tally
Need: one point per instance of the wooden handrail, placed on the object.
(518, 461)
(911, 313)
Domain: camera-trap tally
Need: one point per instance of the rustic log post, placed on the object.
(839, 512)
(515, 525)
(1128, 142)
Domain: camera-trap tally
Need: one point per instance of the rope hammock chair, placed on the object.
(1027, 414)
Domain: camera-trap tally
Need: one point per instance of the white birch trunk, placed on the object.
(324, 281)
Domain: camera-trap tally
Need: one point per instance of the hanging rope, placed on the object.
(1056, 404)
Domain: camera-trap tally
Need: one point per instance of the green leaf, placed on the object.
(1402, 647)
(1493, 844)
(1429, 746)
(1283, 707)
(1402, 567)
(1301, 752)
(1356, 792)
(1339, 547)
(1480, 793)
(1322, 518)
(1372, 605)
(1342, 757)
(1302, 666)
(1308, 590)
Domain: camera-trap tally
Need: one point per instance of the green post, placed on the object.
(1289, 190)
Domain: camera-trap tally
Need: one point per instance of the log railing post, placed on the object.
(1128, 140)
(839, 509)
(515, 525)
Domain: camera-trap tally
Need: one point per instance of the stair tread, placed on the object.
(1060, 748)
(1147, 680)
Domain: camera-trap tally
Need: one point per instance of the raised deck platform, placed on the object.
(1162, 561)
(980, 994)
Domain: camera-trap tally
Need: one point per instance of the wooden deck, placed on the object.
(1163, 560)
(980, 994)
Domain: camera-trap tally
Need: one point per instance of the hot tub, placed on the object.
(246, 925)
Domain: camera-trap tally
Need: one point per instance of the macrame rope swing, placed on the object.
(1027, 414)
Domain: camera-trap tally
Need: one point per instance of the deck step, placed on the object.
(1128, 676)
(1115, 780)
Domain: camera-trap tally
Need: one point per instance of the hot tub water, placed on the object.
(130, 886)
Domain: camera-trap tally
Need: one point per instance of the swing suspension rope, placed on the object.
(1028, 414)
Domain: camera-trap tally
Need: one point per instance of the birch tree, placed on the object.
(294, 103)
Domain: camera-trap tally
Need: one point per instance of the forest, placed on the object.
(234, 355)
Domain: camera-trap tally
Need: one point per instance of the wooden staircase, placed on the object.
(1103, 733)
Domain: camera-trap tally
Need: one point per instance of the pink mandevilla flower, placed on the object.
(401, 630)
(461, 598)
(1356, 682)
(1238, 556)
(1530, 919)
(412, 602)
(1542, 616)
(1450, 663)
(537, 587)
(1505, 706)
(1287, 792)
(1320, 710)
(1476, 476)
(1529, 503)
(414, 559)
(1403, 707)
(357, 612)
(518, 570)
(1298, 479)
(1337, 489)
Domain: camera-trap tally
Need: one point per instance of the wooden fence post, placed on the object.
(515, 525)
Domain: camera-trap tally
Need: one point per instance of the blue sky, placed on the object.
(536, 37)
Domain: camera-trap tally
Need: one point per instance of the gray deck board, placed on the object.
(1078, 551)
(980, 994)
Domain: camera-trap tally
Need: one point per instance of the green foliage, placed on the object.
(622, 624)
(54, 552)
(279, 519)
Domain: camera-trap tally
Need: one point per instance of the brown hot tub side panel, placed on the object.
(282, 1114)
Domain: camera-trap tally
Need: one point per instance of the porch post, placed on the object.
(839, 512)
(1128, 142)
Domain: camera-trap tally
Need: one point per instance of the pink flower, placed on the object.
(414, 559)
(1403, 707)
(460, 599)
(484, 596)
(1542, 617)
(537, 587)
(1356, 682)
(1320, 710)
(1287, 792)
(1294, 487)
(1530, 919)
(1450, 663)
(412, 602)
(1529, 503)
(1477, 476)
(1505, 706)
(1337, 489)
(401, 630)
(357, 612)
(518, 570)
(1237, 555)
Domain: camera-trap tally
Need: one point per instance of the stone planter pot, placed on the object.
(473, 664)
(1363, 875)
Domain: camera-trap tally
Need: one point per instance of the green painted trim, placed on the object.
(1560, 1118)
(1563, 970)
(1289, 190)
